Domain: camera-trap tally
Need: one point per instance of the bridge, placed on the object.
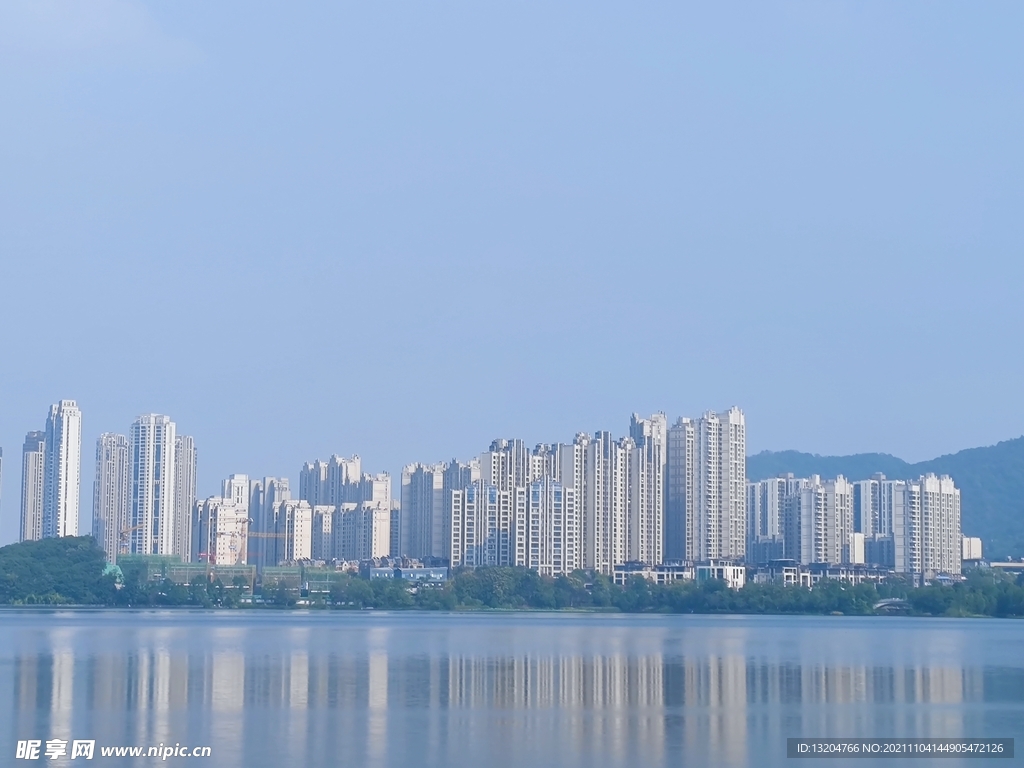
(892, 605)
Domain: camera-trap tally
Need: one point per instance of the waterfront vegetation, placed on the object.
(72, 571)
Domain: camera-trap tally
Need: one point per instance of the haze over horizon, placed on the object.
(404, 231)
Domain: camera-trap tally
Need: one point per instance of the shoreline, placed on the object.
(312, 609)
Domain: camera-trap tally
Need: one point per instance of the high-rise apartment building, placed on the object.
(263, 496)
(423, 515)
(153, 478)
(110, 494)
(766, 507)
(33, 481)
(606, 502)
(507, 465)
(342, 476)
(361, 510)
(293, 524)
(594, 503)
(220, 534)
(925, 517)
(184, 494)
(680, 490)
(322, 546)
(941, 535)
(707, 495)
(647, 464)
(911, 526)
(238, 490)
(869, 513)
(360, 531)
(818, 522)
(488, 526)
(332, 482)
(62, 472)
(552, 535)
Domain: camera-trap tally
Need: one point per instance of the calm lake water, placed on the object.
(492, 690)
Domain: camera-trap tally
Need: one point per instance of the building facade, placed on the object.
(818, 522)
(647, 464)
(553, 529)
(111, 497)
(33, 481)
(707, 493)
(220, 531)
(62, 469)
(153, 508)
(185, 461)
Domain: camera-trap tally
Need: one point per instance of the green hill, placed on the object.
(991, 483)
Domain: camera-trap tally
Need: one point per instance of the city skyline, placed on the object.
(183, 493)
(656, 496)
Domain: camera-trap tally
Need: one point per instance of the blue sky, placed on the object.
(404, 229)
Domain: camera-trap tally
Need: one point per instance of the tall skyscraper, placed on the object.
(605, 502)
(360, 531)
(153, 478)
(421, 514)
(110, 494)
(220, 533)
(680, 491)
(818, 521)
(331, 482)
(552, 536)
(488, 525)
(940, 525)
(424, 513)
(263, 496)
(293, 524)
(63, 467)
(867, 507)
(184, 494)
(647, 464)
(342, 475)
(33, 481)
(707, 494)
(766, 509)
(313, 482)
(925, 517)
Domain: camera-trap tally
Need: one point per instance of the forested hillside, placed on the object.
(991, 481)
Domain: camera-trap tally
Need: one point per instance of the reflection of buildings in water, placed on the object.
(63, 696)
(298, 680)
(768, 683)
(26, 683)
(563, 681)
(297, 704)
(616, 708)
(708, 699)
(811, 687)
(377, 725)
(227, 681)
(610, 704)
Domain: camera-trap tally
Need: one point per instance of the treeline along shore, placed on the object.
(72, 571)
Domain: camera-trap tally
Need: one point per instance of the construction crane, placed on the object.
(262, 535)
(125, 532)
